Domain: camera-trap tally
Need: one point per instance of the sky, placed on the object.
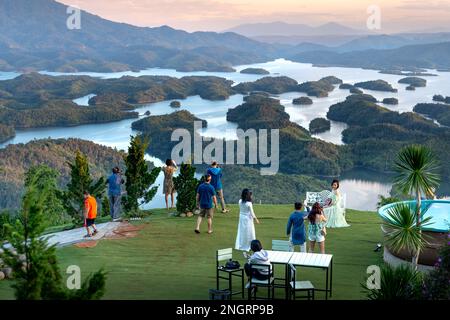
(219, 15)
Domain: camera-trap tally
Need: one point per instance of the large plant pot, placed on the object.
(429, 254)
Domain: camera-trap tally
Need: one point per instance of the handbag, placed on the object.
(232, 265)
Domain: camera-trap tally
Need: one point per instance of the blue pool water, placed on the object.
(438, 210)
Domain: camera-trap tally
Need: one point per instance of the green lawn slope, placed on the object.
(167, 260)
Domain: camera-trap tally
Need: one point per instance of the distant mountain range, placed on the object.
(412, 57)
(279, 28)
(33, 34)
(379, 42)
(34, 37)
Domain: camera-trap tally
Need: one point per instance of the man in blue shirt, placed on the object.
(296, 224)
(115, 192)
(206, 196)
(216, 181)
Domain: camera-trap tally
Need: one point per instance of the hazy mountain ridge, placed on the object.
(34, 35)
(290, 29)
(411, 57)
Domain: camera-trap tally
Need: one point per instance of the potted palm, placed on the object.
(417, 175)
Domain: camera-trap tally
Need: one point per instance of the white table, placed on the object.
(316, 260)
(281, 257)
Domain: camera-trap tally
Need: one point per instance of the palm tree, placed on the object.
(417, 174)
(402, 229)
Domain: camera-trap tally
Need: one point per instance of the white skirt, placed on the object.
(245, 234)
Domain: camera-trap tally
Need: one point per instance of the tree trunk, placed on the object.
(415, 258)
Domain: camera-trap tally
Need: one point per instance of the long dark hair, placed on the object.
(316, 209)
(256, 245)
(335, 181)
(169, 162)
(246, 195)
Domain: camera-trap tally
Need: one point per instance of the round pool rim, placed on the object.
(383, 211)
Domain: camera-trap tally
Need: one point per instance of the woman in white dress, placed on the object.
(246, 227)
(333, 210)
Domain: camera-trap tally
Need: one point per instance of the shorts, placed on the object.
(301, 246)
(316, 238)
(206, 212)
(90, 222)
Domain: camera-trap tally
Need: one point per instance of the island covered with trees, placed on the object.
(414, 81)
(437, 111)
(259, 71)
(392, 101)
(319, 125)
(441, 98)
(36, 100)
(376, 85)
(302, 101)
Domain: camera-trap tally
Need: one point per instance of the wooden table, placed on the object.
(316, 260)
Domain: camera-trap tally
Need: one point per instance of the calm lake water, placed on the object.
(362, 188)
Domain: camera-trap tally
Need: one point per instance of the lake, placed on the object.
(362, 188)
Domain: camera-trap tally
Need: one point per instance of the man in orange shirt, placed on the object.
(90, 213)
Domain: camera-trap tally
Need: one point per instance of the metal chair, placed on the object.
(282, 245)
(225, 255)
(302, 286)
(254, 283)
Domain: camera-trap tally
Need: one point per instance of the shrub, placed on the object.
(397, 283)
(186, 185)
(436, 284)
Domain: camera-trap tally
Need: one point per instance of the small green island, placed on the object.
(356, 91)
(273, 85)
(255, 71)
(419, 73)
(414, 81)
(319, 88)
(319, 125)
(441, 98)
(160, 129)
(393, 101)
(437, 111)
(346, 86)
(376, 85)
(175, 104)
(302, 101)
(361, 97)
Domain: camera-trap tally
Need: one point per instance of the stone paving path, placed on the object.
(68, 237)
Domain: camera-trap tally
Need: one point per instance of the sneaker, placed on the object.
(197, 231)
(87, 236)
(225, 211)
(95, 232)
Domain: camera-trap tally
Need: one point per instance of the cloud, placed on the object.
(217, 15)
(419, 5)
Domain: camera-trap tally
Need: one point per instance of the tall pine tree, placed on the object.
(47, 177)
(186, 185)
(139, 179)
(80, 181)
(36, 274)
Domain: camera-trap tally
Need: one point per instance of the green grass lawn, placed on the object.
(167, 260)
